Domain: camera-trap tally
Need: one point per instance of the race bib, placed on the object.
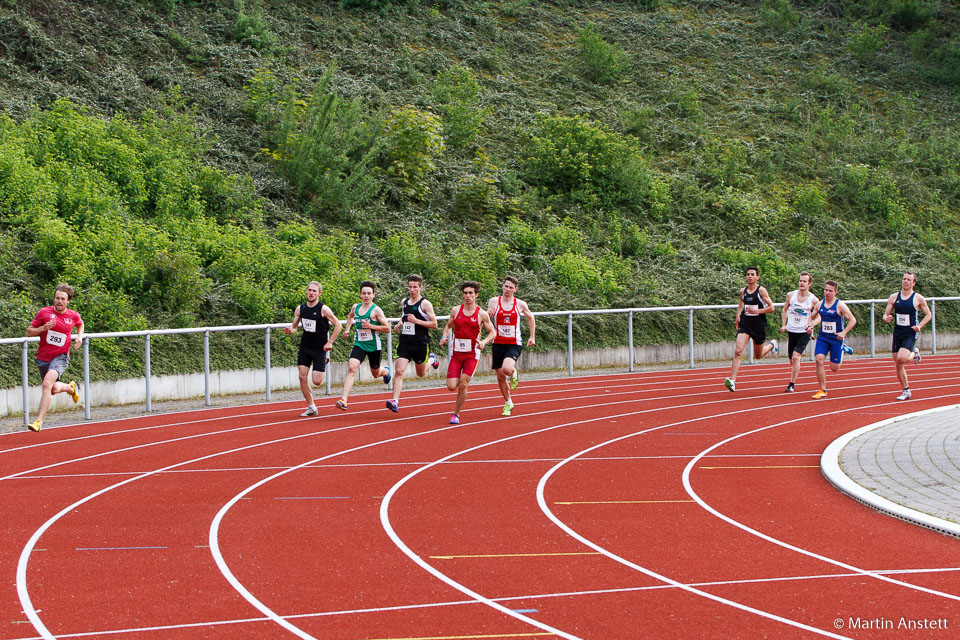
(57, 339)
(796, 324)
(364, 335)
(751, 310)
(462, 345)
(903, 319)
(507, 330)
(409, 329)
(309, 325)
(828, 327)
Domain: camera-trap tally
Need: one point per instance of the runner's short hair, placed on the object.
(805, 273)
(67, 289)
(749, 269)
(414, 277)
(314, 282)
(511, 279)
(470, 284)
(368, 283)
(911, 273)
(832, 283)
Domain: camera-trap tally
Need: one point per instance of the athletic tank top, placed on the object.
(905, 315)
(466, 330)
(831, 322)
(507, 324)
(798, 313)
(752, 302)
(316, 328)
(366, 339)
(412, 333)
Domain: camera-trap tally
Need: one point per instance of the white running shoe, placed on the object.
(730, 384)
(916, 355)
(776, 347)
(311, 411)
(905, 395)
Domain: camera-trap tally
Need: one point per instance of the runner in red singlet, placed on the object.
(505, 310)
(465, 322)
(54, 325)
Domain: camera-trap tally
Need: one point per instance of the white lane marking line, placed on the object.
(688, 486)
(452, 603)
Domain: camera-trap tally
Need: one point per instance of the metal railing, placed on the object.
(266, 328)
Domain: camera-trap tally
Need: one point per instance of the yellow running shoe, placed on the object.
(514, 380)
(36, 425)
(73, 392)
(820, 394)
(507, 408)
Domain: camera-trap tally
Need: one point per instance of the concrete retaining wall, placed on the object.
(175, 387)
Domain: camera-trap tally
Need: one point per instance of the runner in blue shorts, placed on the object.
(836, 322)
(903, 306)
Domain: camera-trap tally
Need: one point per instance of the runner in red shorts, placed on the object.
(465, 322)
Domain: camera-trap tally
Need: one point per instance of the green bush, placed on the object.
(456, 94)
(585, 161)
(413, 140)
(866, 41)
(564, 238)
(600, 61)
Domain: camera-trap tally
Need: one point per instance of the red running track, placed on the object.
(650, 505)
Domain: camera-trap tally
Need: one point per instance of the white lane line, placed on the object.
(459, 603)
(25, 553)
(688, 486)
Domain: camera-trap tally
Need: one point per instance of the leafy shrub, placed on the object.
(866, 41)
(600, 61)
(413, 140)
(252, 29)
(325, 145)
(811, 200)
(576, 272)
(779, 14)
(524, 239)
(586, 161)
(456, 93)
(909, 15)
(564, 238)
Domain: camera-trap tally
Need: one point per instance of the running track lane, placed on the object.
(475, 517)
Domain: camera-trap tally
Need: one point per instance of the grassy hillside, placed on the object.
(198, 162)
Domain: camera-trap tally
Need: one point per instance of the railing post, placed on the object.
(86, 378)
(570, 343)
(146, 369)
(630, 331)
(266, 358)
(25, 370)
(206, 368)
(873, 330)
(933, 324)
(690, 333)
(390, 356)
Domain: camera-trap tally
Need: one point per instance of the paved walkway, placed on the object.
(908, 467)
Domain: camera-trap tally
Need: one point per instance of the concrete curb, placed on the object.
(830, 467)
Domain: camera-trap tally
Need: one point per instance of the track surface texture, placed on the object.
(644, 505)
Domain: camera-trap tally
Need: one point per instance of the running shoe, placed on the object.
(36, 425)
(387, 376)
(310, 412)
(73, 392)
(433, 360)
(514, 380)
(776, 347)
(916, 357)
(847, 350)
(905, 395)
(507, 408)
(789, 388)
(393, 405)
(454, 419)
(342, 404)
(820, 394)
(730, 384)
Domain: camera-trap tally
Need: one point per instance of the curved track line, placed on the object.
(388, 527)
(22, 591)
(786, 545)
(541, 501)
